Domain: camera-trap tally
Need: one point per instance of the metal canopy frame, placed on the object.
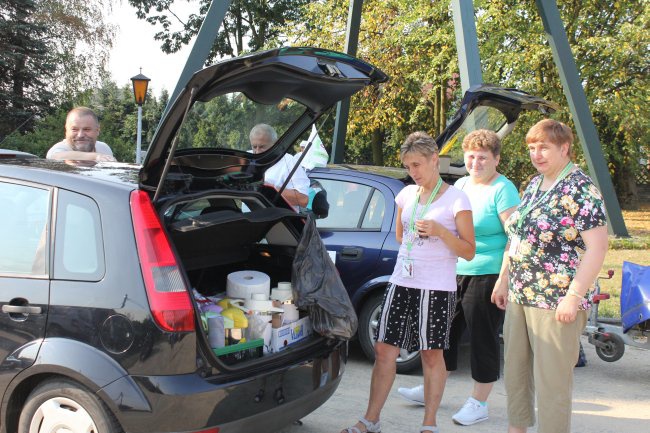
(470, 74)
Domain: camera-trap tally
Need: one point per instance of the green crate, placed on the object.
(240, 352)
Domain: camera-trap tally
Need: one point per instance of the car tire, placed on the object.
(368, 318)
(68, 406)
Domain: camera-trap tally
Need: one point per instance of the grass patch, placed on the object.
(633, 249)
(638, 227)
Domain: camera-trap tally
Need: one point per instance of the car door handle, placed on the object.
(24, 309)
(351, 253)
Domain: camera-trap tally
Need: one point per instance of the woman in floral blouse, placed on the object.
(557, 245)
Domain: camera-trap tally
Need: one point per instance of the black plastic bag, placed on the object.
(319, 289)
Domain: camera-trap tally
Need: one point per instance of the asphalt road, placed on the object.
(608, 398)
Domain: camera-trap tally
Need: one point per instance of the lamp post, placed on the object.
(140, 84)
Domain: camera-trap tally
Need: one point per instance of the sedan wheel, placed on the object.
(64, 407)
(368, 320)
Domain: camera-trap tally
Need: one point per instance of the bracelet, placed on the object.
(573, 292)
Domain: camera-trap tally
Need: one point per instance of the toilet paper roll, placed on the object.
(283, 292)
(261, 305)
(243, 284)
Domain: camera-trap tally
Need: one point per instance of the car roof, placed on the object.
(394, 177)
(66, 174)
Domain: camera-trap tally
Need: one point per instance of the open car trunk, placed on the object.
(210, 188)
(218, 234)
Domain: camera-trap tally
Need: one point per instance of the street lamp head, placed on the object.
(140, 84)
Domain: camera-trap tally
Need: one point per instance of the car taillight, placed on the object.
(169, 299)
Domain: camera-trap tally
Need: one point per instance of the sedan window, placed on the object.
(352, 206)
(374, 215)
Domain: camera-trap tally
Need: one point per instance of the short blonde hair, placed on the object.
(482, 139)
(419, 142)
(552, 131)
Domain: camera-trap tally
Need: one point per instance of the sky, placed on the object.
(134, 48)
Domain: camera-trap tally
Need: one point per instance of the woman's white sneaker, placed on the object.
(471, 412)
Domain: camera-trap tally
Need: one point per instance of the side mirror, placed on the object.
(319, 204)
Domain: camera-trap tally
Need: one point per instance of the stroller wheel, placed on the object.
(611, 349)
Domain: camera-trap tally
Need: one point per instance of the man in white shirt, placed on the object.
(80, 143)
(262, 138)
(303, 145)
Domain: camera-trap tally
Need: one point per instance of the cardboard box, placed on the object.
(286, 335)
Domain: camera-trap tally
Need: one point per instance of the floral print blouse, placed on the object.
(550, 244)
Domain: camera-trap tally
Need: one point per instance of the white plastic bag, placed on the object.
(317, 155)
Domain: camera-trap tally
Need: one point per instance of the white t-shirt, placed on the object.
(434, 264)
(63, 146)
(278, 173)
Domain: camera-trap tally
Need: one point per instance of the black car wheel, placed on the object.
(60, 405)
(368, 319)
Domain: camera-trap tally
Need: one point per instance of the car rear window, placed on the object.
(225, 122)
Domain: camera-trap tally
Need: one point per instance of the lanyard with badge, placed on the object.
(532, 204)
(407, 262)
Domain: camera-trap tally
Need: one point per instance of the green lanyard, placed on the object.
(532, 204)
(409, 243)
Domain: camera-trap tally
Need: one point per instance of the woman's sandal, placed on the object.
(429, 428)
(371, 427)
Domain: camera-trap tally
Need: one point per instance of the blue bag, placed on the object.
(635, 295)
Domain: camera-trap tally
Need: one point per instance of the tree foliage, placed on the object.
(609, 40)
(25, 65)
(80, 40)
(50, 50)
(413, 41)
(248, 25)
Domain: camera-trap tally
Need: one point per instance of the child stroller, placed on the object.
(610, 336)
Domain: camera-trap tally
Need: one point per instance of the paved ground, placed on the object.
(608, 398)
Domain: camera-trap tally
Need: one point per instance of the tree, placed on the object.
(25, 66)
(80, 41)
(609, 42)
(50, 51)
(413, 42)
(248, 25)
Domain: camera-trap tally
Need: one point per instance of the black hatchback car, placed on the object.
(360, 227)
(99, 265)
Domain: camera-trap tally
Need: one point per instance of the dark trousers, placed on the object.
(476, 313)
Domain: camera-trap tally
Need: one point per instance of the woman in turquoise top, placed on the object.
(493, 198)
